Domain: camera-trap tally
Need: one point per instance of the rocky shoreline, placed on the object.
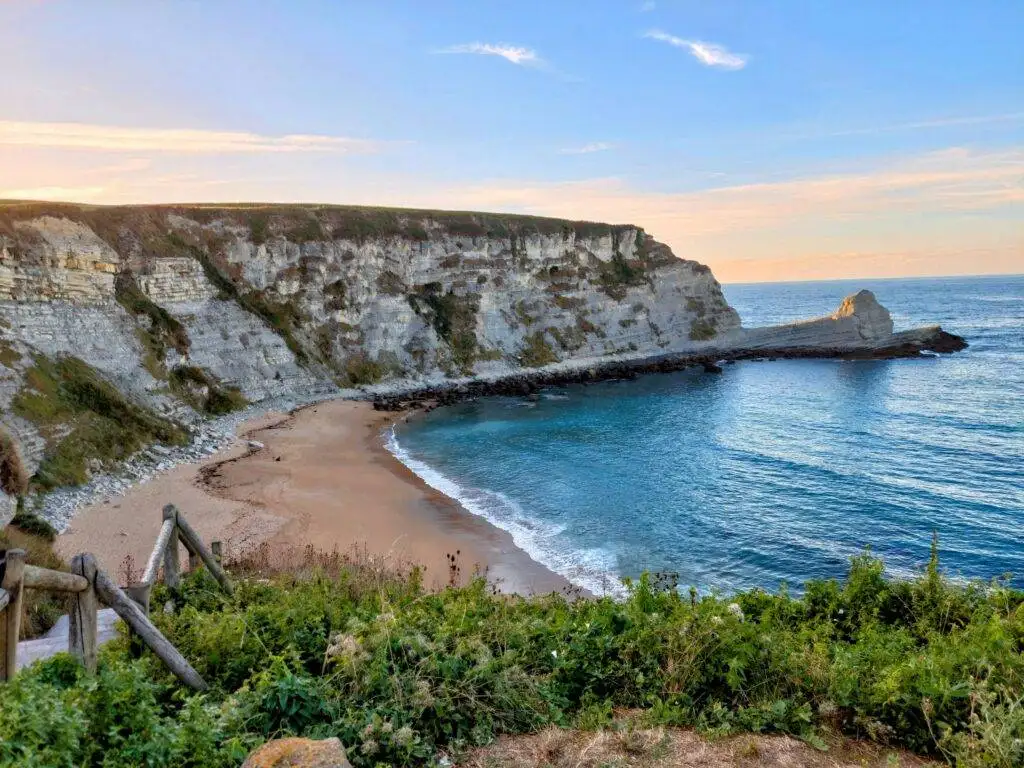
(527, 383)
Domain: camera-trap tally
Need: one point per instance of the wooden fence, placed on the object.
(88, 586)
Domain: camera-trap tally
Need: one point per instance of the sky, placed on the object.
(769, 139)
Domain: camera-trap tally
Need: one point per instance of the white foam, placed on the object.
(592, 569)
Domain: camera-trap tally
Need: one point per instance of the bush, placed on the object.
(702, 330)
(204, 392)
(338, 648)
(84, 417)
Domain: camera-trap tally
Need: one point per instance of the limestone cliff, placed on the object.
(180, 307)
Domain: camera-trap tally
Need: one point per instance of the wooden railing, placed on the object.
(88, 585)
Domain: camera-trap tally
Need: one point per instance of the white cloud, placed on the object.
(513, 53)
(648, 6)
(586, 149)
(708, 54)
(175, 140)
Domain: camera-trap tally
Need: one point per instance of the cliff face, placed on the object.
(176, 306)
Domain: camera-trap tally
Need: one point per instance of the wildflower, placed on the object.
(554, 654)
(404, 736)
(369, 747)
(735, 610)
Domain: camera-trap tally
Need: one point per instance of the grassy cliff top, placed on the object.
(311, 221)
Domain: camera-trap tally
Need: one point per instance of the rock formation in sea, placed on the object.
(160, 316)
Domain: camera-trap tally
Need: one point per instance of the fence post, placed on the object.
(12, 566)
(172, 569)
(133, 616)
(84, 605)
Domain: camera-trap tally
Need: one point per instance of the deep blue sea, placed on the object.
(773, 471)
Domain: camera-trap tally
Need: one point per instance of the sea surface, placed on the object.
(771, 472)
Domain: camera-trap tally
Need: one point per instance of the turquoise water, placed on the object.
(772, 471)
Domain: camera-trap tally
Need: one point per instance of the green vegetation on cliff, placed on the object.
(163, 331)
(84, 418)
(402, 675)
(201, 390)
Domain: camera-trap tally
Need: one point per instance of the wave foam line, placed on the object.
(591, 569)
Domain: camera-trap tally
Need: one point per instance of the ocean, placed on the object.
(771, 472)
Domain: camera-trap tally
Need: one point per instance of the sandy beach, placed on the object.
(321, 477)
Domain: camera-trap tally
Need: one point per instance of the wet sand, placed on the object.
(322, 477)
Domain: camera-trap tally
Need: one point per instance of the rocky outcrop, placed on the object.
(299, 753)
(859, 327)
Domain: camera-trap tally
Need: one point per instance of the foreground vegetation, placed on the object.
(403, 675)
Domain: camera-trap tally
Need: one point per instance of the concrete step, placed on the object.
(56, 639)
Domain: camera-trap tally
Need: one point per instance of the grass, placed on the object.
(203, 392)
(36, 537)
(335, 646)
(8, 354)
(84, 418)
(13, 474)
(536, 351)
(702, 330)
(619, 274)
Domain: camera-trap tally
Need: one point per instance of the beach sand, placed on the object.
(322, 477)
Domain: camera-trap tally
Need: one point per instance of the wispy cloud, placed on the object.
(176, 140)
(708, 54)
(648, 6)
(586, 149)
(516, 54)
(947, 122)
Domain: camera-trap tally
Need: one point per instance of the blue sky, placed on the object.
(771, 140)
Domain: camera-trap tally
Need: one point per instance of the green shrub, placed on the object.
(400, 674)
(201, 390)
(536, 351)
(34, 525)
(702, 330)
(84, 416)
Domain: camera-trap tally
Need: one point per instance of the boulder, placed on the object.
(299, 753)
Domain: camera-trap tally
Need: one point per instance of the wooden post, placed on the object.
(209, 558)
(193, 556)
(157, 555)
(133, 616)
(82, 624)
(172, 569)
(12, 583)
(140, 594)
